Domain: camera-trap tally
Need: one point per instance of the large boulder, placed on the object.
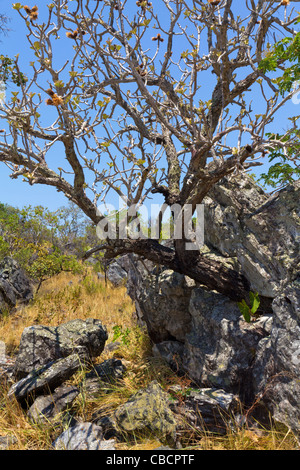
(14, 285)
(220, 346)
(8, 297)
(199, 333)
(203, 334)
(161, 299)
(277, 365)
(261, 232)
(41, 345)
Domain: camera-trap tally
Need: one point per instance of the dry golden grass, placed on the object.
(67, 297)
(64, 298)
(247, 439)
(15, 424)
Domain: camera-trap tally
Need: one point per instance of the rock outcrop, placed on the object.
(161, 298)
(277, 363)
(203, 334)
(261, 232)
(14, 285)
(48, 398)
(198, 332)
(221, 346)
(41, 345)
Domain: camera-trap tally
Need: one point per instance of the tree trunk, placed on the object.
(210, 273)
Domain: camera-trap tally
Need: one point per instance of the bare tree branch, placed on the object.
(150, 99)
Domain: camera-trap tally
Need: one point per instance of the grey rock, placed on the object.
(108, 426)
(108, 444)
(8, 298)
(99, 378)
(83, 436)
(6, 366)
(15, 286)
(206, 410)
(108, 371)
(40, 344)
(277, 364)
(261, 232)
(46, 379)
(161, 299)
(220, 348)
(172, 353)
(92, 386)
(47, 408)
(197, 332)
(116, 274)
(112, 346)
(7, 441)
(147, 411)
(259, 236)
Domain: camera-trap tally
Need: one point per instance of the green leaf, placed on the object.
(255, 302)
(36, 45)
(59, 84)
(245, 310)
(17, 6)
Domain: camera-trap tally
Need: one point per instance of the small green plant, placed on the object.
(249, 312)
(121, 334)
(91, 287)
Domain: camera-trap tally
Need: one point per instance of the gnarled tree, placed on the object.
(147, 98)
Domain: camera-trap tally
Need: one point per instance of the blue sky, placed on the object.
(20, 194)
(15, 192)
